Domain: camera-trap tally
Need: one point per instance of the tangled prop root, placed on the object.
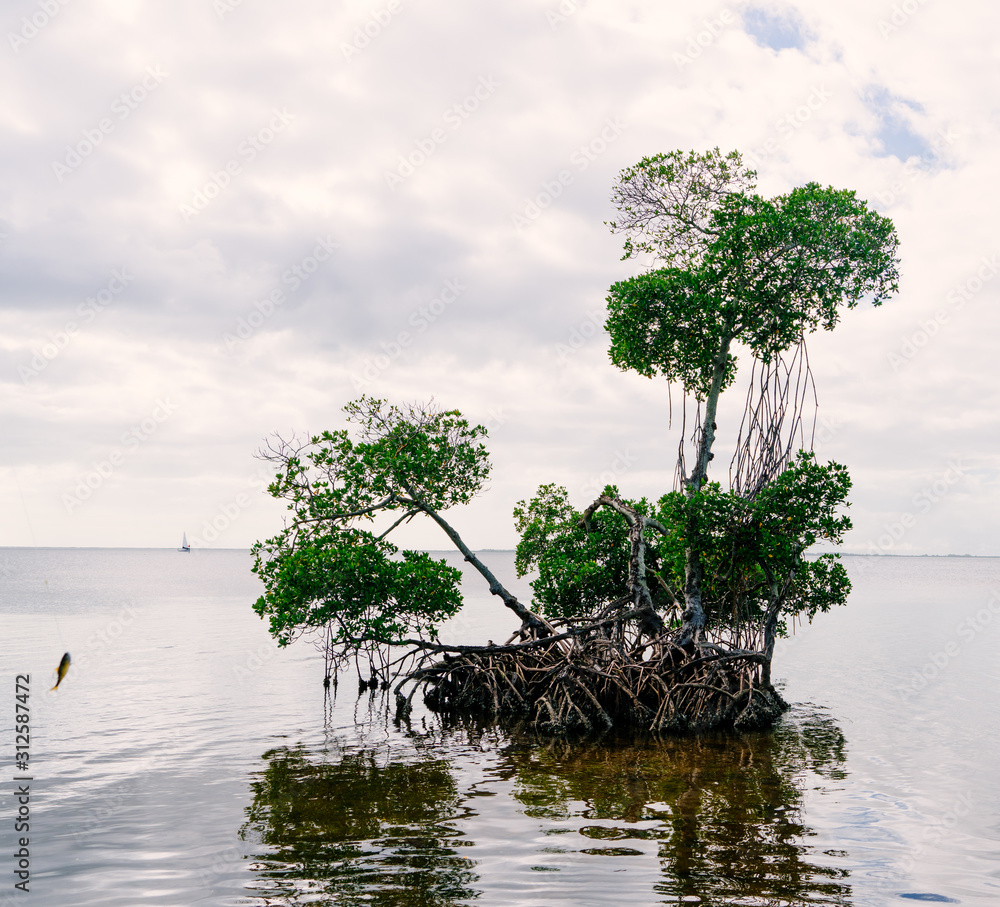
(583, 688)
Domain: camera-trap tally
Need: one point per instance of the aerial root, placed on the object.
(593, 687)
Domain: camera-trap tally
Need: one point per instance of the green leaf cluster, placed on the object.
(749, 548)
(736, 266)
(752, 548)
(580, 568)
(327, 568)
(352, 581)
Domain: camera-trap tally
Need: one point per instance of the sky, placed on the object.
(221, 219)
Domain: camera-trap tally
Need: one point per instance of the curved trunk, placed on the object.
(528, 618)
(642, 601)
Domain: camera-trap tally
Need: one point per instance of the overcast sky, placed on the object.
(225, 218)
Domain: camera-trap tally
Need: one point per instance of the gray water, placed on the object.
(186, 760)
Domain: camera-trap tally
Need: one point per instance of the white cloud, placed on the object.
(813, 91)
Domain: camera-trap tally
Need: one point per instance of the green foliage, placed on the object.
(427, 454)
(737, 266)
(580, 571)
(667, 322)
(749, 548)
(732, 268)
(325, 569)
(348, 579)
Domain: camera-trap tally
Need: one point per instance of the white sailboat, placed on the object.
(184, 544)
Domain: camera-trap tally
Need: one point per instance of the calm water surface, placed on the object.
(185, 760)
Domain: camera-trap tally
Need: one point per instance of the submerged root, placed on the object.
(589, 688)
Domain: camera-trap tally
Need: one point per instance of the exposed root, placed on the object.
(590, 686)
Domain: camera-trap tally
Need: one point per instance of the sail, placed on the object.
(184, 544)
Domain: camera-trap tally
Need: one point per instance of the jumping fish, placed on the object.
(61, 670)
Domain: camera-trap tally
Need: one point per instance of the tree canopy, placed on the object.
(329, 568)
(735, 266)
(661, 614)
(752, 552)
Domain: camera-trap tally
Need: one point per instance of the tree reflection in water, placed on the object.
(363, 829)
(381, 826)
(726, 810)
